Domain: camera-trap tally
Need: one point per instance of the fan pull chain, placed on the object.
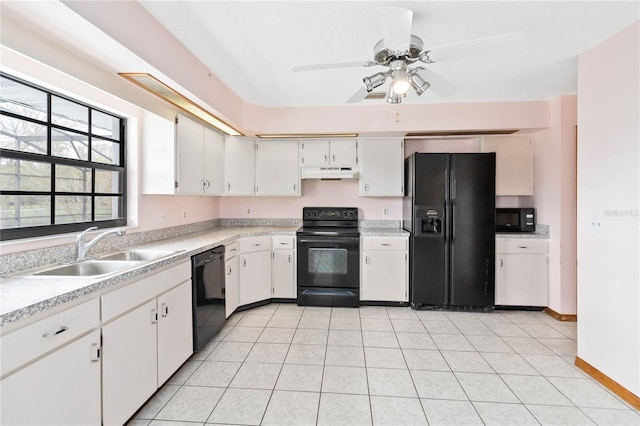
(397, 113)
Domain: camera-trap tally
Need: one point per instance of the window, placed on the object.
(62, 163)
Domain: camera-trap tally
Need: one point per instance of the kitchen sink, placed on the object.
(138, 255)
(89, 268)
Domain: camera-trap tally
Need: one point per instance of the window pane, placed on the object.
(108, 208)
(105, 152)
(23, 100)
(17, 211)
(73, 209)
(105, 125)
(23, 175)
(21, 135)
(69, 114)
(108, 182)
(73, 179)
(69, 145)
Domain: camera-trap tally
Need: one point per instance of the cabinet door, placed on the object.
(175, 330)
(514, 164)
(232, 285)
(158, 154)
(314, 152)
(239, 169)
(189, 135)
(255, 277)
(62, 388)
(344, 152)
(283, 274)
(384, 276)
(129, 363)
(213, 149)
(277, 171)
(522, 280)
(381, 167)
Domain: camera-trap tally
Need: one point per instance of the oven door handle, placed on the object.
(345, 240)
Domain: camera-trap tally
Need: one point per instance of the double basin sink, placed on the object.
(106, 264)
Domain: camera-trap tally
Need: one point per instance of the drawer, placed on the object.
(287, 242)
(522, 246)
(384, 243)
(231, 250)
(251, 244)
(33, 340)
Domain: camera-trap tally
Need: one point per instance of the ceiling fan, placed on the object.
(400, 51)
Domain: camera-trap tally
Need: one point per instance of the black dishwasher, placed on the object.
(207, 275)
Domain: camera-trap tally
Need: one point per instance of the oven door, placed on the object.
(328, 262)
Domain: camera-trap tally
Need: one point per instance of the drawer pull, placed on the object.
(524, 247)
(385, 244)
(256, 245)
(501, 263)
(367, 261)
(95, 352)
(284, 244)
(165, 310)
(55, 333)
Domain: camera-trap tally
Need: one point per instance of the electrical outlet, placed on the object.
(596, 226)
(184, 214)
(385, 212)
(162, 216)
(248, 212)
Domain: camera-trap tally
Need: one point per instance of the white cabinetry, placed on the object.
(239, 166)
(384, 269)
(277, 171)
(514, 163)
(147, 337)
(232, 278)
(522, 272)
(63, 387)
(328, 152)
(255, 269)
(283, 267)
(381, 167)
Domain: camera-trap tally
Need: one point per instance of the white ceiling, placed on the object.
(253, 45)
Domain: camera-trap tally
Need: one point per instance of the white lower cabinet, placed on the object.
(255, 269)
(522, 272)
(384, 269)
(283, 267)
(231, 278)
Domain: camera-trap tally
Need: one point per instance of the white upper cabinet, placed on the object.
(213, 155)
(328, 152)
(190, 149)
(277, 171)
(158, 153)
(514, 163)
(381, 167)
(239, 166)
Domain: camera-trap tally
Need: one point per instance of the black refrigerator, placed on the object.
(449, 209)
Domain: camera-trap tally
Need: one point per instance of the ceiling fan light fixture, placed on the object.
(419, 84)
(400, 83)
(374, 80)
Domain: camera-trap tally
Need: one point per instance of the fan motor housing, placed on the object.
(383, 56)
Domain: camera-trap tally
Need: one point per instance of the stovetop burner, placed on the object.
(331, 221)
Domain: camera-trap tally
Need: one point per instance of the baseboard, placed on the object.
(560, 317)
(609, 383)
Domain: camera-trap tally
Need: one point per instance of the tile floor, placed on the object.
(282, 364)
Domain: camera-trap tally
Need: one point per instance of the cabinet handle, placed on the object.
(95, 352)
(165, 310)
(333, 158)
(366, 186)
(501, 263)
(255, 245)
(203, 183)
(367, 260)
(386, 244)
(523, 247)
(228, 270)
(244, 262)
(326, 158)
(62, 329)
(228, 186)
(289, 258)
(208, 184)
(295, 187)
(154, 316)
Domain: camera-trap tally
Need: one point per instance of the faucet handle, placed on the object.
(84, 233)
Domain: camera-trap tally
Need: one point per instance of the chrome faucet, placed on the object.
(82, 247)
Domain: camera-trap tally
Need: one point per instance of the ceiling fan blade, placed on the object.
(439, 84)
(395, 23)
(503, 43)
(359, 95)
(334, 65)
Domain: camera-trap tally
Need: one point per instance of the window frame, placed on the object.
(54, 228)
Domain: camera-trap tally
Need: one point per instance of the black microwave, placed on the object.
(520, 219)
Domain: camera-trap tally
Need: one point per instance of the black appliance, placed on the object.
(329, 257)
(449, 209)
(519, 219)
(207, 275)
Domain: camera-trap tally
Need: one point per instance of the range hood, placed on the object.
(329, 173)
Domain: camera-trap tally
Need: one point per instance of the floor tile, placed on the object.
(425, 359)
(440, 327)
(522, 317)
(378, 312)
(345, 313)
(295, 377)
(157, 402)
(507, 330)
(567, 330)
(437, 385)
(268, 352)
(230, 351)
(489, 344)
(393, 411)
(456, 316)
(256, 376)
(345, 338)
(485, 387)
(384, 358)
(316, 311)
(473, 328)
(415, 341)
(586, 393)
(292, 408)
(190, 403)
(563, 347)
(493, 413)
(243, 334)
(408, 325)
(172, 423)
(527, 345)
(315, 322)
(268, 309)
(307, 354)
(182, 375)
(494, 317)
(307, 336)
(553, 366)
(428, 315)
(390, 382)
(559, 416)
(289, 309)
(454, 413)
(284, 321)
(603, 416)
(380, 339)
(535, 390)
(346, 356)
(471, 362)
(509, 364)
(140, 422)
(341, 323)
(241, 406)
(452, 342)
(541, 330)
(277, 335)
(254, 321)
(376, 324)
(348, 410)
(214, 373)
(352, 380)
(397, 312)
